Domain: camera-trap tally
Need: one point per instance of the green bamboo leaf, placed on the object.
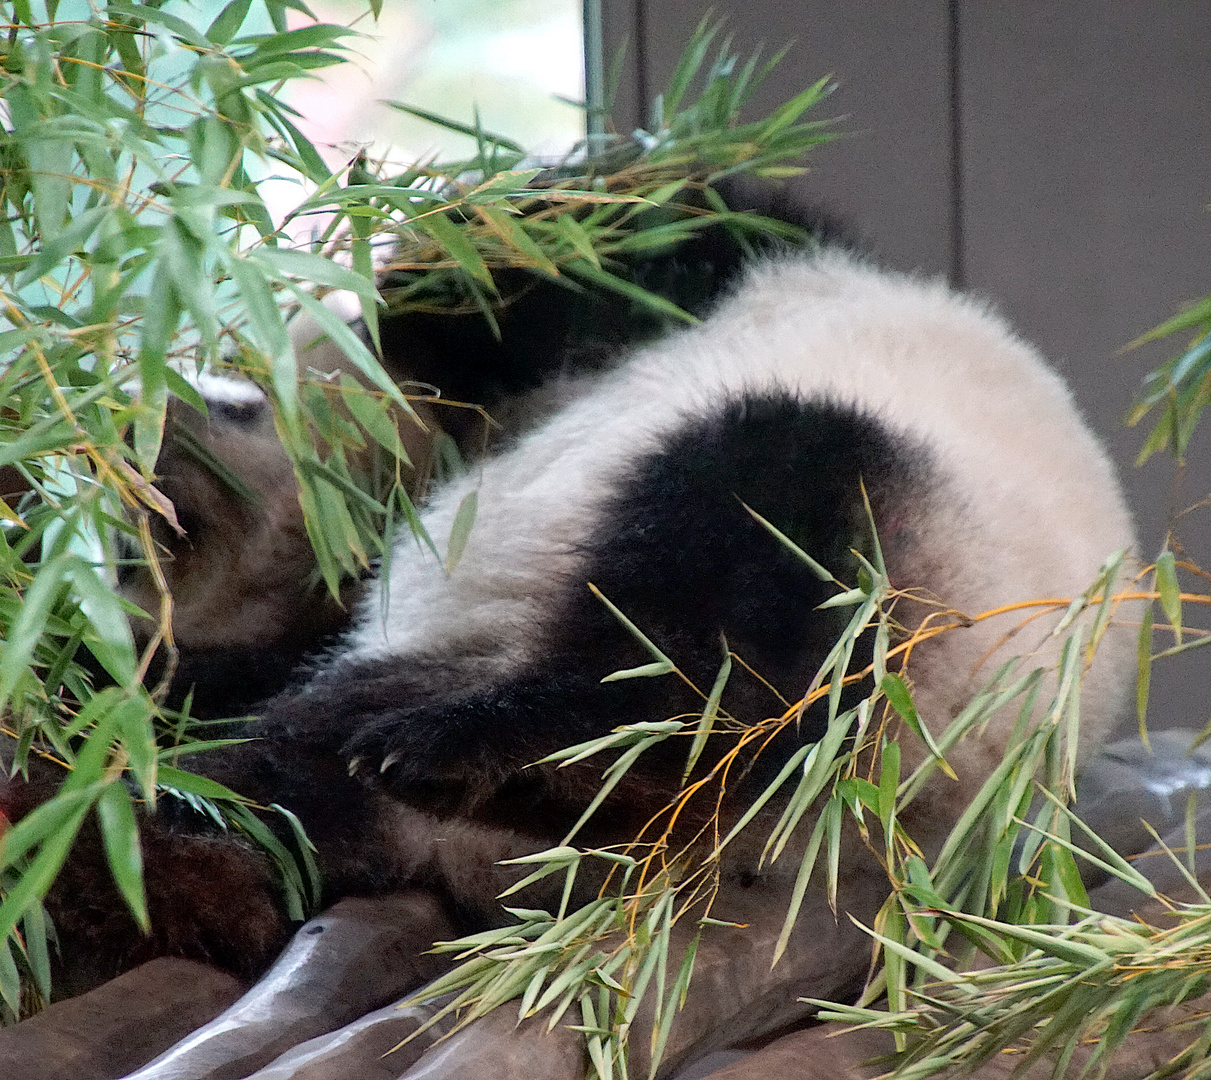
(1162, 435)
(1195, 315)
(688, 67)
(644, 671)
(455, 244)
(832, 815)
(121, 836)
(170, 777)
(625, 734)
(790, 545)
(806, 867)
(10, 977)
(107, 619)
(300, 40)
(513, 233)
(614, 774)
(1167, 586)
(673, 1004)
(894, 926)
(46, 822)
(35, 931)
(294, 887)
(314, 168)
(505, 183)
(342, 335)
(1091, 958)
(535, 985)
(709, 713)
(330, 526)
(228, 22)
(267, 328)
(148, 14)
(889, 783)
(788, 113)
(797, 806)
(315, 269)
(170, 754)
(25, 632)
(1185, 646)
(803, 756)
(460, 529)
(355, 495)
(936, 971)
(592, 273)
(897, 694)
(46, 436)
(845, 599)
(636, 633)
(64, 243)
(579, 238)
(133, 719)
(305, 856)
(454, 125)
(36, 878)
(50, 176)
(372, 415)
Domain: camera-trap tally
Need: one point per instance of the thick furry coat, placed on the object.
(816, 375)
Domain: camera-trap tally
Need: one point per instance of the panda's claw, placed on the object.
(415, 762)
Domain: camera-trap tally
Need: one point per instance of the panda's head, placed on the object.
(247, 601)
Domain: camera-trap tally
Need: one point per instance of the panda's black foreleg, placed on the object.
(477, 756)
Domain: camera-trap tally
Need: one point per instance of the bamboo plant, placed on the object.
(137, 251)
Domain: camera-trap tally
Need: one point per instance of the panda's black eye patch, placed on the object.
(238, 412)
(192, 524)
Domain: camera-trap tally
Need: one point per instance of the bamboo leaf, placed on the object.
(120, 834)
(1167, 586)
(644, 671)
(454, 125)
(228, 22)
(709, 714)
(460, 530)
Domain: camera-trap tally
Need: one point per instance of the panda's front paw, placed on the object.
(424, 762)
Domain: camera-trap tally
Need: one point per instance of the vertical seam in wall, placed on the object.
(594, 74)
(958, 270)
(641, 63)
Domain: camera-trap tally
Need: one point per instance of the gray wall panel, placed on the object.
(1086, 144)
(622, 35)
(891, 176)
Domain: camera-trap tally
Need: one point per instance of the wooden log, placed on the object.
(356, 957)
(368, 1049)
(117, 1027)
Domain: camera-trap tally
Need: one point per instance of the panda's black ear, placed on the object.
(821, 224)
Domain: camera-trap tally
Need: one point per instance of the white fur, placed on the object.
(228, 389)
(1031, 506)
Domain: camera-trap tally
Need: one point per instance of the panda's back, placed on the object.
(1032, 499)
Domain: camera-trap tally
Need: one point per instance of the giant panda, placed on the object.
(818, 385)
(819, 376)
